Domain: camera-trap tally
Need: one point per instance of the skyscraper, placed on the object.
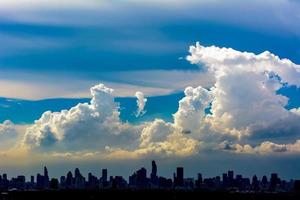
(255, 182)
(104, 175)
(230, 175)
(141, 178)
(154, 178)
(46, 172)
(199, 180)
(274, 180)
(231, 178)
(40, 181)
(179, 179)
(79, 180)
(46, 178)
(69, 180)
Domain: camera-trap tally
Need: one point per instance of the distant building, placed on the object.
(103, 183)
(153, 176)
(139, 180)
(179, 177)
(199, 180)
(79, 182)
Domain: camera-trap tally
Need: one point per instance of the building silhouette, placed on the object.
(178, 177)
(140, 181)
(153, 176)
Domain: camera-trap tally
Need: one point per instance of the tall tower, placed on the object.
(46, 172)
(179, 176)
(46, 178)
(154, 171)
(104, 175)
(77, 173)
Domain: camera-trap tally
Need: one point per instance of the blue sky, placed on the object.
(52, 53)
(91, 42)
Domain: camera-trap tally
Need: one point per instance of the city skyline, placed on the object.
(206, 85)
(142, 180)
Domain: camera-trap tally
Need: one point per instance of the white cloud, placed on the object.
(8, 135)
(86, 126)
(296, 111)
(96, 126)
(191, 112)
(141, 103)
(156, 131)
(266, 147)
(242, 107)
(245, 98)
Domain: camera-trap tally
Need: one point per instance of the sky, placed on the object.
(208, 85)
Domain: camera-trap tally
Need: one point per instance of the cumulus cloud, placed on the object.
(141, 103)
(191, 111)
(96, 127)
(245, 98)
(8, 135)
(242, 112)
(265, 147)
(85, 126)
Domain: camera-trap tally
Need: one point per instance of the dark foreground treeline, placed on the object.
(146, 194)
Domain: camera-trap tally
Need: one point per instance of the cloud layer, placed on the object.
(241, 113)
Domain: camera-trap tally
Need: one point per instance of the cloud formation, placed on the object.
(245, 103)
(266, 147)
(141, 103)
(91, 125)
(245, 99)
(191, 111)
(96, 126)
(8, 135)
(242, 113)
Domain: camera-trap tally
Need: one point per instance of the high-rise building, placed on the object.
(230, 175)
(4, 176)
(104, 175)
(154, 177)
(225, 180)
(264, 180)
(179, 178)
(231, 178)
(274, 180)
(45, 171)
(154, 169)
(63, 182)
(40, 181)
(141, 178)
(199, 180)
(255, 182)
(92, 181)
(79, 182)
(54, 184)
(46, 178)
(103, 182)
(69, 180)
